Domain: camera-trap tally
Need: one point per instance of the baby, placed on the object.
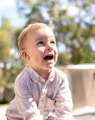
(41, 90)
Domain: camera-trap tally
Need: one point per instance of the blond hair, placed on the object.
(30, 27)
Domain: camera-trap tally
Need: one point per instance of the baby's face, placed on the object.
(40, 46)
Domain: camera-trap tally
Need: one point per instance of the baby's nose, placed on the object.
(49, 47)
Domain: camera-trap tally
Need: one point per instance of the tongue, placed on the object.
(48, 58)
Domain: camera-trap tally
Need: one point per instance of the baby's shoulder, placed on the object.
(60, 77)
(22, 77)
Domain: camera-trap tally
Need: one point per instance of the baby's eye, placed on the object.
(53, 42)
(40, 43)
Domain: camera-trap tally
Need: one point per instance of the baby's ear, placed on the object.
(24, 55)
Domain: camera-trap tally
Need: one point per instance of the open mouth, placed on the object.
(48, 57)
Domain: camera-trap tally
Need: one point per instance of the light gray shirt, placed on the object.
(36, 99)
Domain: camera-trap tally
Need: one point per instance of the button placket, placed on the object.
(42, 98)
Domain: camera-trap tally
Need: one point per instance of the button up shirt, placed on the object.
(37, 99)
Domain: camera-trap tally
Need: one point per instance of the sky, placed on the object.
(8, 9)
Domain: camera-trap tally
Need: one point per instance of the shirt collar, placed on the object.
(36, 77)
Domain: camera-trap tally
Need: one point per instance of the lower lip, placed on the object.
(49, 61)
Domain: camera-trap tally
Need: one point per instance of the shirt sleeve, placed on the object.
(26, 105)
(64, 105)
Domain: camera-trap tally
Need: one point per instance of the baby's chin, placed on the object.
(50, 66)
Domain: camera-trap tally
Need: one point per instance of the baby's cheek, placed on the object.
(56, 54)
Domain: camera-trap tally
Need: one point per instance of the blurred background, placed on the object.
(74, 22)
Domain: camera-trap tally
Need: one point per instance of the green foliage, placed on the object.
(9, 63)
(8, 95)
(5, 39)
(63, 59)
